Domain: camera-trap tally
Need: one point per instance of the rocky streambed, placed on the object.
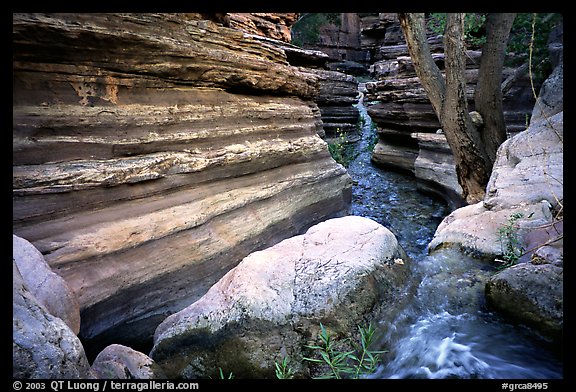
(229, 253)
(447, 330)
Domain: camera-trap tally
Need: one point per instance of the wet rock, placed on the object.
(49, 288)
(339, 273)
(43, 347)
(530, 294)
(120, 362)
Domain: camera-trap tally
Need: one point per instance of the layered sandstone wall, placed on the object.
(153, 152)
(271, 25)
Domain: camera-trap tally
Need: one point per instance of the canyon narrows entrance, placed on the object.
(446, 331)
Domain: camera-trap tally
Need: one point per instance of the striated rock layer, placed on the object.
(153, 152)
(269, 25)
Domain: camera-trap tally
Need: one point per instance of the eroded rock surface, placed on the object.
(49, 289)
(341, 272)
(404, 114)
(532, 294)
(526, 179)
(152, 152)
(524, 201)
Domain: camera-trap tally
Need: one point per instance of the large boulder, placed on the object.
(270, 306)
(42, 345)
(50, 289)
(120, 362)
(531, 294)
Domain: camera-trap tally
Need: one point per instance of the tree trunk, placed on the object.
(426, 69)
(488, 95)
(472, 164)
(449, 101)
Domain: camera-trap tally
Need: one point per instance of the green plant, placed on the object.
(341, 150)
(373, 137)
(283, 371)
(510, 242)
(346, 364)
(522, 39)
(306, 30)
(519, 42)
(474, 33)
(230, 375)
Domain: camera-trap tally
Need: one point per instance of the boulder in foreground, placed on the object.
(270, 306)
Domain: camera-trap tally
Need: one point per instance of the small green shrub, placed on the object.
(373, 138)
(347, 364)
(510, 242)
(341, 150)
(221, 375)
(306, 30)
(474, 33)
(283, 371)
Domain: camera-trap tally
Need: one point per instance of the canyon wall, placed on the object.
(152, 152)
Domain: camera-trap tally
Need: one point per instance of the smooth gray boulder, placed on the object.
(339, 273)
(527, 179)
(49, 288)
(531, 294)
(42, 345)
(120, 362)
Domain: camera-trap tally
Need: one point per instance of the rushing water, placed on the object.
(446, 331)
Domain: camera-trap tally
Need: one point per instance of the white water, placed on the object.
(446, 331)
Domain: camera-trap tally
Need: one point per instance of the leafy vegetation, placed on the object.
(342, 150)
(519, 41)
(474, 32)
(373, 138)
(510, 242)
(283, 371)
(346, 364)
(306, 30)
(223, 377)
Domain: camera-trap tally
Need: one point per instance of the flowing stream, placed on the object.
(446, 331)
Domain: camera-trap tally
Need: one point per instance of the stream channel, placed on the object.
(446, 331)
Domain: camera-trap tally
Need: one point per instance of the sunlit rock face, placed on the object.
(153, 152)
(271, 25)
